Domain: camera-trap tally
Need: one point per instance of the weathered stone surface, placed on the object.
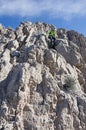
(42, 88)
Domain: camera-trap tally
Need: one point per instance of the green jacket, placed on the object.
(52, 33)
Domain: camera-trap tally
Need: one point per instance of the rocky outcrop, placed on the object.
(42, 88)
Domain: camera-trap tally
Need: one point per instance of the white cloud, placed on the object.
(66, 9)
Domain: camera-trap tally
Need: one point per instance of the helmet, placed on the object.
(52, 27)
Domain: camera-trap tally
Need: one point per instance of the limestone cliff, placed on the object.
(42, 88)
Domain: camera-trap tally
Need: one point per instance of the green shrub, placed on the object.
(70, 82)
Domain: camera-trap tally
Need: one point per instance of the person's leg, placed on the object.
(50, 37)
(50, 42)
(53, 42)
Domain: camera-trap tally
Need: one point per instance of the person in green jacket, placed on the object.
(51, 36)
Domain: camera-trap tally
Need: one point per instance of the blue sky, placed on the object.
(69, 14)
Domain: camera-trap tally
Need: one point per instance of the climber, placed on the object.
(52, 37)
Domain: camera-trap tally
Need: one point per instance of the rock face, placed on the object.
(42, 88)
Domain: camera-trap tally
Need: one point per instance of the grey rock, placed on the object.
(33, 77)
